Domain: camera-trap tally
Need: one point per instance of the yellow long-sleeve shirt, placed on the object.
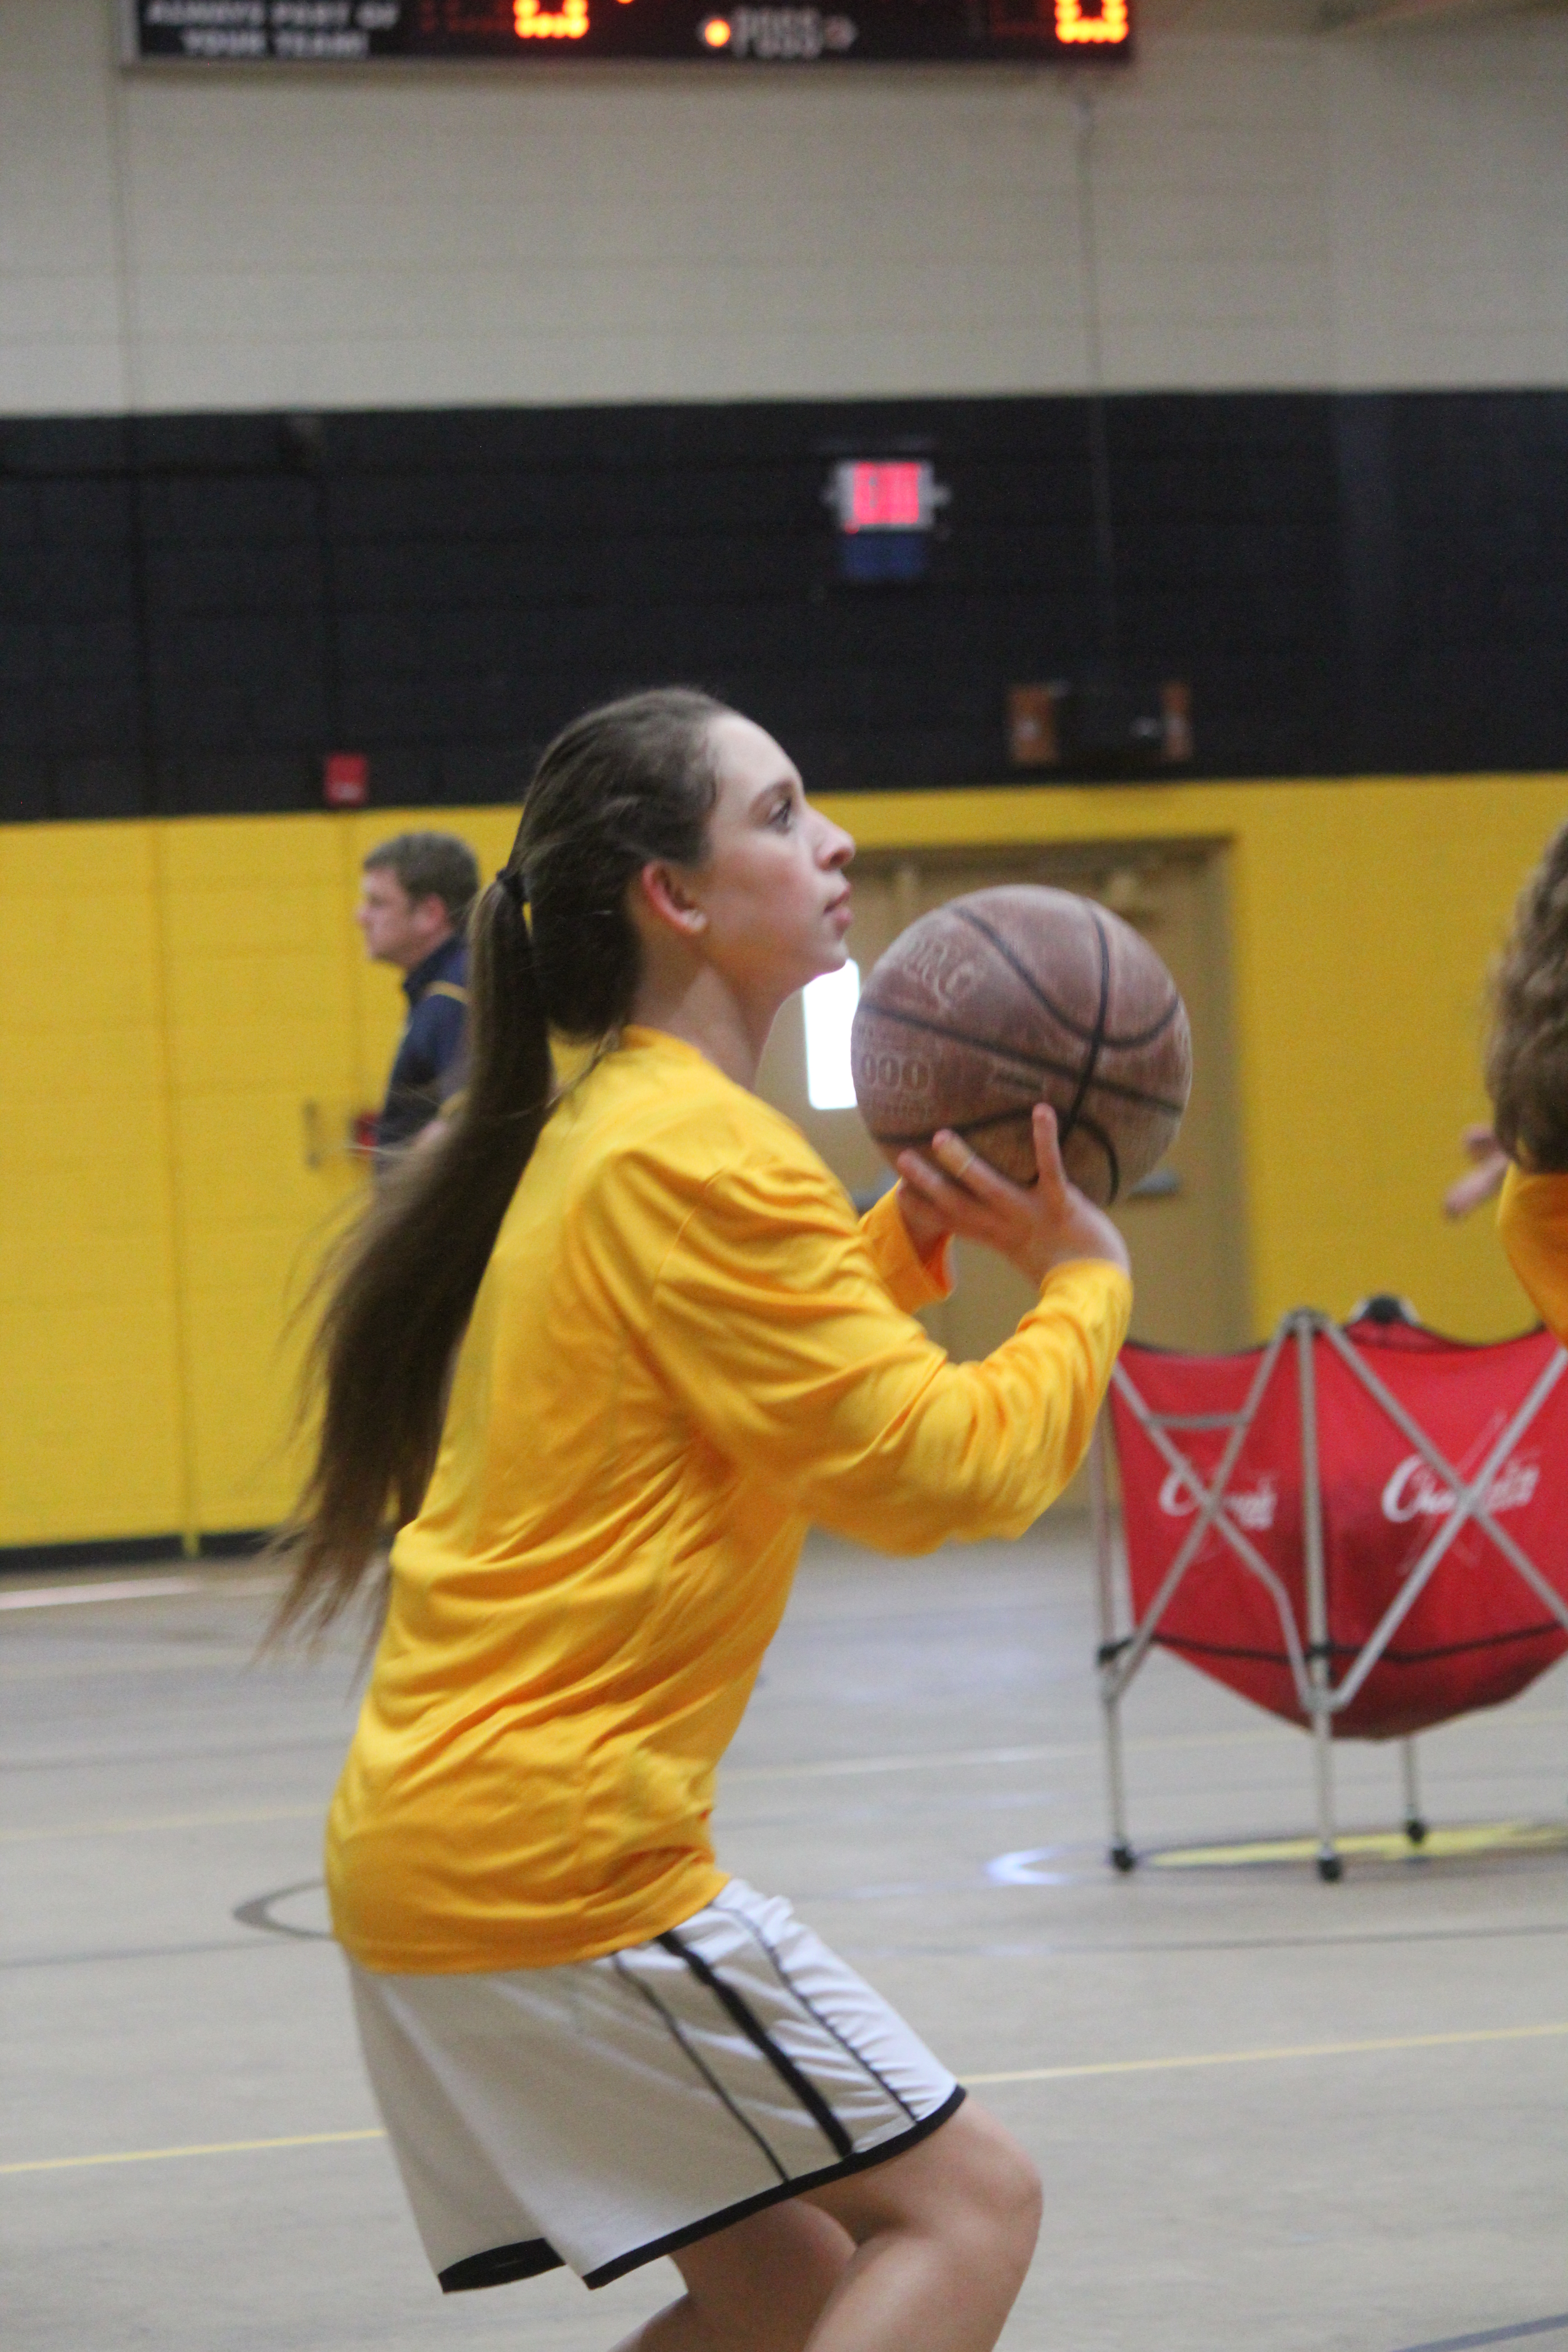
(1532, 1219)
(684, 1349)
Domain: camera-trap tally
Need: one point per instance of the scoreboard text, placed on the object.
(346, 32)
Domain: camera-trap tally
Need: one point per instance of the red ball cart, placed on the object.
(1362, 1528)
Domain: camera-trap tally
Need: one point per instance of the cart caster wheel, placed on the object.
(1416, 1830)
(1329, 1868)
(1121, 1857)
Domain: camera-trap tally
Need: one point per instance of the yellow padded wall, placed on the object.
(260, 993)
(175, 994)
(1365, 914)
(91, 1432)
(280, 1031)
(1368, 919)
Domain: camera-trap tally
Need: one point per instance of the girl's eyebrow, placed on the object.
(780, 784)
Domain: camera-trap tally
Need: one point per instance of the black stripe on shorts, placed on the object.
(783, 2065)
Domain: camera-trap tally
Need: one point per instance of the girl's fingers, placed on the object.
(973, 1171)
(959, 1203)
(931, 1184)
(1048, 1157)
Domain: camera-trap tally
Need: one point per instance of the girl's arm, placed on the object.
(773, 1324)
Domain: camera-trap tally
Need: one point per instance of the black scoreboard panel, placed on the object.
(710, 32)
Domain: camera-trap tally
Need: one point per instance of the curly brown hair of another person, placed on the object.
(1527, 1054)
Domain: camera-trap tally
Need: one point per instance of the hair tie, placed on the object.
(515, 887)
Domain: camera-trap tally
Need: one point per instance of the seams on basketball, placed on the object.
(1018, 995)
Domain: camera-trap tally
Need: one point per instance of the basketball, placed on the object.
(1015, 996)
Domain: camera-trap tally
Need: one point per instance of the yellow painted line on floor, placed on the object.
(1021, 2074)
(205, 2147)
(1266, 2057)
(1375, 1845)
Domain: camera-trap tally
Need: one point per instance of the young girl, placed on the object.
(669, 1347)
(1527, 1076)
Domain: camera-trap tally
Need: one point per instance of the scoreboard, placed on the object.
(712, 33)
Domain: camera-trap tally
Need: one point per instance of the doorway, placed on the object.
(1184, 1226)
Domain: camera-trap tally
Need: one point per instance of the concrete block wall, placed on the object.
(1273, 209)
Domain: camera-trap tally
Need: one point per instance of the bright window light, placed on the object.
(830, 1005)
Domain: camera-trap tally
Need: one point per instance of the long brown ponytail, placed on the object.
(624, 785)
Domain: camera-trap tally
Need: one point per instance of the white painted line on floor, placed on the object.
(1265, 2057)
(316, 1813)
(68, 1596)
(842, 1767)
(132, 1587)
(1055, 1751)
(850, 1767)
(1025, 2074)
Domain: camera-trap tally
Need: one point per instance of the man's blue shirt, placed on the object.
(428, 1063)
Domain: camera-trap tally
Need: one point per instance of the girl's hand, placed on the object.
(955, 1191)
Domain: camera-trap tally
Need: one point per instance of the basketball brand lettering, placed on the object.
(1255, 1509)
(888, 1070)
(948, 968)
(1414, 1492)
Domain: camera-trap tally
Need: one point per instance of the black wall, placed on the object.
(195, 609)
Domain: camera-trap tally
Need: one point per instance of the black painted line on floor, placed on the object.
(257, 1913)
(1495, 2336)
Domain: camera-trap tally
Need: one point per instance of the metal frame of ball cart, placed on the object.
(1122, 1654)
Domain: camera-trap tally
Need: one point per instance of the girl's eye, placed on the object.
(784, 815)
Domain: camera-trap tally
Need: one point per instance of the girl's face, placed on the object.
(773, 888)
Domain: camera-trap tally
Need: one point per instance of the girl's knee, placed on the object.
(970, 2185)
(1001, 2187)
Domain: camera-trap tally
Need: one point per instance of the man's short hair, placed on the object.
(432, 866)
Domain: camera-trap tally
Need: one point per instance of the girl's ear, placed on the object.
(665, 893)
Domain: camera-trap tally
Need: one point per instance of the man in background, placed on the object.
(412, 907)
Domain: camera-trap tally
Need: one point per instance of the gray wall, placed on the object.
(1273, 210)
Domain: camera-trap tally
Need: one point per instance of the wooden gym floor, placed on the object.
(1272, 2115)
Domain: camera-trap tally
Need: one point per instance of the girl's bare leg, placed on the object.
(923, 2254)
(760, 2286)
(943, 2242)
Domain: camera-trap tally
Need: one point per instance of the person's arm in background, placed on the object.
(1483, 1181)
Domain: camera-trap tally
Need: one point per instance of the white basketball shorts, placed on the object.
(605, 2113)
